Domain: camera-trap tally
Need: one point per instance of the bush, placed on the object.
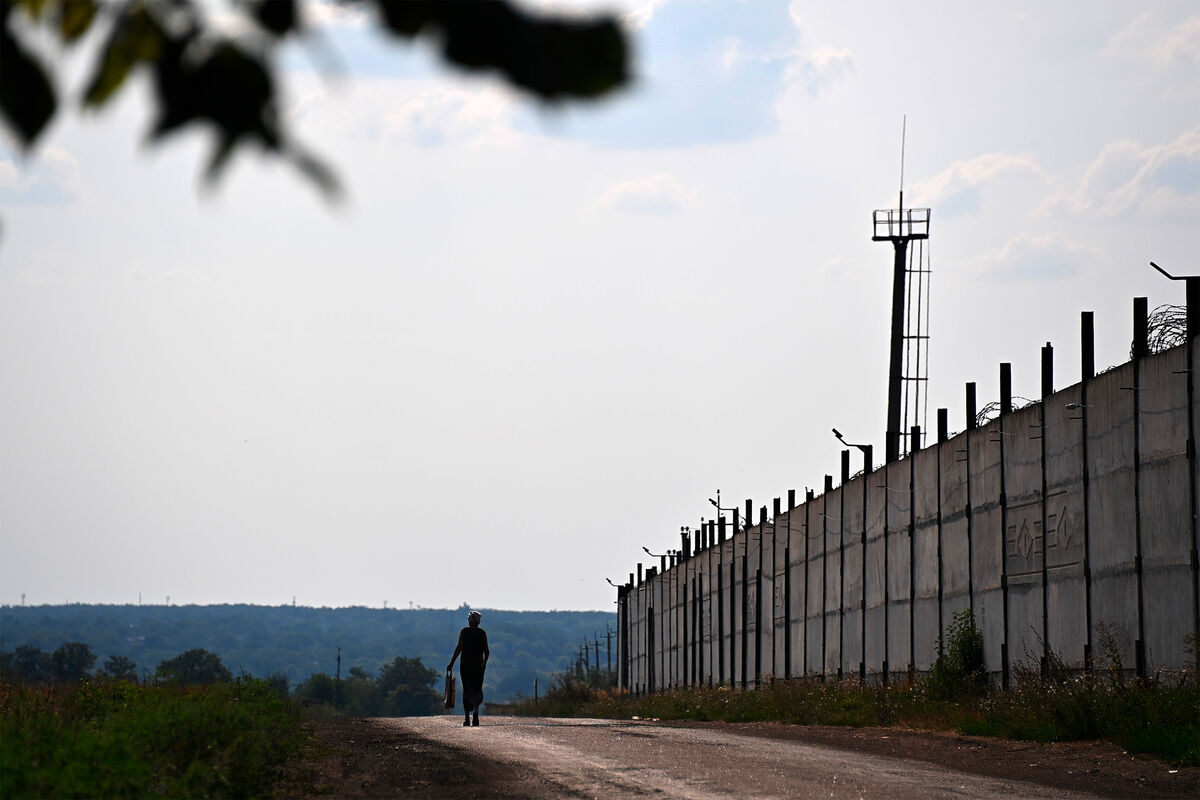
(959, 668)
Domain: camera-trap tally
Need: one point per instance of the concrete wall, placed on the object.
(1067, 527)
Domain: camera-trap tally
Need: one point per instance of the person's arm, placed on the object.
(486, 652)
(457, 650)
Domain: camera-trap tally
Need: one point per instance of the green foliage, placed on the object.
(119, 668)
(227, 82)
(117, 739)
(1158, 716)
(196, 666)
(959, 667)
(72, 662)
(405, 688)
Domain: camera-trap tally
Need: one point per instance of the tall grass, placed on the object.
(118, 739)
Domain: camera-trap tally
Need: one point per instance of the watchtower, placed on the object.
(908, 364)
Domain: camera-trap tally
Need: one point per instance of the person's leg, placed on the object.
(466, 702)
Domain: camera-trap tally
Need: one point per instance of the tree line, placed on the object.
(300, 642)
(404, 686)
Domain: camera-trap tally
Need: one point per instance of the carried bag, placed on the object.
(449, 689)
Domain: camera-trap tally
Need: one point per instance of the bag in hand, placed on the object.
(449, 689)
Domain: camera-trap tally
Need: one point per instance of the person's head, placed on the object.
(473, 619)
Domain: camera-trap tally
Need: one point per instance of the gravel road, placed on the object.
(611, 759)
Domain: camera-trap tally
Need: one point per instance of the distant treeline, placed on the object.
(298, 642)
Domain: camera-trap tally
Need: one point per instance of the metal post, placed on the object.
(896, 357)
(1141, 349)
(1087, 345)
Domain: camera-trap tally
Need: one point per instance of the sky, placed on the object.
(533, 340)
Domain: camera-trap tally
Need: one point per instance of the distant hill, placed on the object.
(298, 642)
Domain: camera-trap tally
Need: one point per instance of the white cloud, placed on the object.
(49, 177)
(1049, 257)
(640, 17)
(1179, 43)
(1127, 177)
(732, 53)
(426, 113)
(818, 68)
(955, 189)
(658, 195)
(1146, 37)
(825, 67)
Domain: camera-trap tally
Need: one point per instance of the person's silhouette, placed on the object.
(473, 645)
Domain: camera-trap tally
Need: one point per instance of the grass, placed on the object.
(118, 739)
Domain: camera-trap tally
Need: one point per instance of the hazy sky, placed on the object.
(534, 340)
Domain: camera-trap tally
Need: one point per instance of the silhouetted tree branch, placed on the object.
(228, 82)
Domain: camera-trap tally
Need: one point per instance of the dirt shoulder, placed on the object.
(363, 758)
(1096, 767)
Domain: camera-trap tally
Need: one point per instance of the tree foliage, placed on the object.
(196, 666)
(228, 83)
(404, 688)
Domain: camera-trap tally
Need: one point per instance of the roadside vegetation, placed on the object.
(1158, 716)
(110, 737)
(189, 728)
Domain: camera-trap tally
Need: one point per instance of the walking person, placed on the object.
(473, 645)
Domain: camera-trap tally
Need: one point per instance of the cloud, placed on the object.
(1180, 43)
(706, 72)
(823, 69)
(1024, 257)
(1147, 38)
(1127, 177)
(955, 190)
(656, 195)
(426, 113)
(50, 177)
(640, 17)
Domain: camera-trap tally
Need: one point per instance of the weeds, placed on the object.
(117, 739)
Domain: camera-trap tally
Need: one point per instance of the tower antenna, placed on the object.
(903, 132)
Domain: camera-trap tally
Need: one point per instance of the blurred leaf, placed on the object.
(136, 38)
(277, 16)
(318, 173)
(75, 17)
(551, 58)
(26, 95)
(33, 7)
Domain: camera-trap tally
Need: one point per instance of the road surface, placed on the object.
(612, 759)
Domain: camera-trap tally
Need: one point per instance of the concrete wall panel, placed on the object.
(833, 581)
(987, 533)
(1065, 526)
(956, 565)
(927, 564)
(876, 614)
(1165, 505)
(814, 629)
(853, 534)
(1112, 511)
(899, 567)
(796, 521)
(1025, 540)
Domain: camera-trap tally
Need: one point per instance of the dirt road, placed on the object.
(510, 757)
